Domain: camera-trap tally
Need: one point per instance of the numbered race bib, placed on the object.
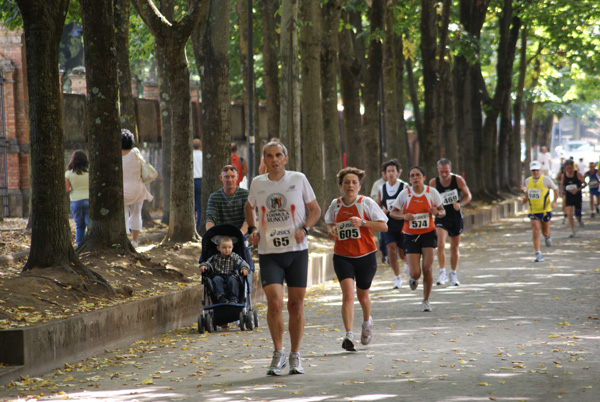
(593, 184)
(346, 231)
(421, 221)
(390, 203)
(534, 194)
(570, 187)
(277, 238)
(450, 196)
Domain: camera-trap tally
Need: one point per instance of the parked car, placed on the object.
(577, 150)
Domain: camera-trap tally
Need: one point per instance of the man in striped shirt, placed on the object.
(226, 205)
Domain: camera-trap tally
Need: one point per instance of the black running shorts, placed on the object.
(361, 269)
(291, 267)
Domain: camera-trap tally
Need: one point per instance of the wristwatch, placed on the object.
(363, 223)
(306, 229)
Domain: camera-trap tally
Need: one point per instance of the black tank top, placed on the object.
(393, 224)
(449, 195)
(570, 182)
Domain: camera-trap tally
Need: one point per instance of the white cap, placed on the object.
(535, 165)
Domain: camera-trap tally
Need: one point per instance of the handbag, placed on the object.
(149, 174)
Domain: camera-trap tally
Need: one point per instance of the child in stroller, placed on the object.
(223, 272)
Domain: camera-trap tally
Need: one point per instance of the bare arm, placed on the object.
(253, 235)
(68, 185)
(462, 185)
(314, 214)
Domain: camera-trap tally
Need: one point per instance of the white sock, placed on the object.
(442, 270)
(398, 276)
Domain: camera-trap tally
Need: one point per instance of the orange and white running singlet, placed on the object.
(418, 206)
(354, 241)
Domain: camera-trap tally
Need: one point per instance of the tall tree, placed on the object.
(329, 96)
(352, 58)
(289, 112)
(106, 218)
(390, 94)
(270, 42)
(210, 41)
(371, 92)
(127, 105)
(312, 114)
(172, 37)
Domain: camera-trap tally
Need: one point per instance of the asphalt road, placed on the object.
(514, 330)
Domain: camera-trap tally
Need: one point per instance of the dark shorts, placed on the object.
(595, 191)
(414, 244)
(394, 236)
(291, 267)
(454, 227)
(542, 216)
(361, 269)
(573, 200)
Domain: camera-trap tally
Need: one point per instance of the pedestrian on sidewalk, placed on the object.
(287, 209)
(351, 219)
(77, 182)
(537, 196)
(417, 206)
(455, 195)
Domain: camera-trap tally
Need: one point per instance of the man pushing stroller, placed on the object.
(223, 271)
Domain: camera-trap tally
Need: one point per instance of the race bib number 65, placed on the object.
(346, 231)
(421, 221)
(278, 238)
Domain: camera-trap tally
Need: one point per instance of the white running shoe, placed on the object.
(135, 244)
(367, 332)
(442, 279)
(348, 342)
(425, 306)
(397, 283)
(454, 279)
(296, 364)
(277, 364)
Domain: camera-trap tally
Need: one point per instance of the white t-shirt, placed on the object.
(281, 211)
(544, 160)
(369, 207)
(197, 164)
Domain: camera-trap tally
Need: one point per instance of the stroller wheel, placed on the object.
(242, 321)
(249, 321)
(255, 318)
(201, 326)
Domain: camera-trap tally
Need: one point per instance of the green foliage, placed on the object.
(10, 14)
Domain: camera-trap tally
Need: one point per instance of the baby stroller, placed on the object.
(216, 314)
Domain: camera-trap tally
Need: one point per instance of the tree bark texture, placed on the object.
(371, 95)
(106, 217)
(329, 97)
(289, 113)
(121, 10)
(211, 40)
(515, 148)
(271, 68)
(241, 8)
(174, 36)
(312, 113)
(390, 101)
(351, 73)
(403, 146)
(414, 100)
(50, 232)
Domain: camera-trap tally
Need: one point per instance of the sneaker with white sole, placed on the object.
(454, 279)
(548, 241)
(277, 364)
(442, 279)
(366, 334)
(539, 257)
(413, 283)
(581, 223)
(296, 363)
(135, 244)
(572, 234)
(348, 342)
(425, 306)
(397, 283)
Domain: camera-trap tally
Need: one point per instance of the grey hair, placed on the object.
(443, 162)
(273, 144)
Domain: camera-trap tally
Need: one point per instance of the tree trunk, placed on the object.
(371, 95)
(165, 123)
(271, 68)
(350, 79)
(289, 113)
(210, 41)
(127, 106)
(173, 36)
(403, 147)
(106, 217)
(414, 100)
(50, 232)
(241, 8)
(331, 121)
(449, 122)
(515, 143)
(390, 100)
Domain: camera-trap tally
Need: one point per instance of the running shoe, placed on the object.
(397, 283)
(593, 215)
(581, 222)
(135, 244)
(406, 269)
(277, 364)
(348, 342)
(454, 279)
(296, 364)
(413, 283)
(539, 257)
(564, 220)
(367, 332)
(548, 241)
(442, 279)
(598, 209)
(572, 234)
(425, 306)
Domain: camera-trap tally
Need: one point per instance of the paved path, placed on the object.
(514, 330)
